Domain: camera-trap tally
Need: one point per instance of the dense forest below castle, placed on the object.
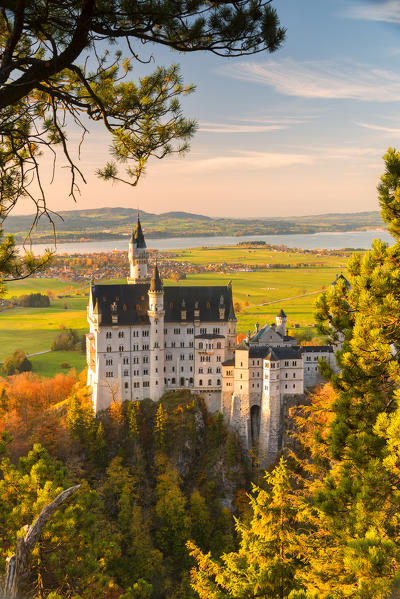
(114, 223)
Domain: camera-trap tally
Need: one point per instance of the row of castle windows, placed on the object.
(209, 384)
(209, 370)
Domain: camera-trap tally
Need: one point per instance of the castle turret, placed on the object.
(281, 319)
(138, 259)
(156, 315)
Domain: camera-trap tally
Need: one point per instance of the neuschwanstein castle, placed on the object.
(145, 339)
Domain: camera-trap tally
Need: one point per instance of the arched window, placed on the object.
(108, 348)
(209, 382)
(200, 345)
(219, 345)
(201, 382)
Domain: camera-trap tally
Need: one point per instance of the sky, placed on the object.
(301, 131)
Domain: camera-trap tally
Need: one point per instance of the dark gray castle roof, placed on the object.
(137, 238)
(131, 303)
(305, 349)
(156, 283)
(272, 353)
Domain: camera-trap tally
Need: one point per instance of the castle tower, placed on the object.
(156, 315)
(281, 319)
(138, 260)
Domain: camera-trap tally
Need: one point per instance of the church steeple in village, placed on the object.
(138, 259)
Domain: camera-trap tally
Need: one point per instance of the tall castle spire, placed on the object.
(156, 282)
(137, 237)
(138, 260)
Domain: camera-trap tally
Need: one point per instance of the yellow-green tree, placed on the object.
(273, 548)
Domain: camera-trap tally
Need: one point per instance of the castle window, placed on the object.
(171, 304)
(124, 308)
(145, 372)
(182, 369)
(203, 331)
(201, 382)
(294, 363)
(200, 371)
(200, 345)
(209, 370)
(108, 335)
(120, 334)
(218, 358)
(146, 384)
(294, 375)
(182, 356)
(145, 359)
(208, 305)
(286, 363)
(173, 381)
(191, 381)
(218, 382)
(145, 346)
(126, 360)
(177, 331)
(216, 331)
(182, 344)
(145, 333)
(294, 386)
(108, 348)
(109, 375)
(285, 386)
(190, 356)
(209, 382)
(126, 372)
(286, 375)
(121, 348)
(219, 345)
(190, 343)
(109, 362)
(156, 344)
(173, 369)
(126, 385)
(138, 307)
(190, 331)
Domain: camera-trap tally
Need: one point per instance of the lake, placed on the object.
(328, 240)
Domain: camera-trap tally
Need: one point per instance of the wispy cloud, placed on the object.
(321, 79)
(236, 128)
(387, 131)
(242, 160)
(252, 125)
(386, 10)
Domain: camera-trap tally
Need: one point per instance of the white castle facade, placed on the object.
(145, 339)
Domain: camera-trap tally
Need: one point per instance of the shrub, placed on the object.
(17, 363)
(34, 300)
(66, 341)
(65, 365)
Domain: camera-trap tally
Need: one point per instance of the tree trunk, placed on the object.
(19, 565)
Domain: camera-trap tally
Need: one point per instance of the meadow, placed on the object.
(34, 329)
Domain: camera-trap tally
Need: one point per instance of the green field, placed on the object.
(34, 329)
(50, 364)
(57, 286)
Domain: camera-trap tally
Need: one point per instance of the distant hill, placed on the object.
(114, 223)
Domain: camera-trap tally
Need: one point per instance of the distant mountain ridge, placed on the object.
(114, 223)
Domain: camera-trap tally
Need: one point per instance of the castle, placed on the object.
(145, 339)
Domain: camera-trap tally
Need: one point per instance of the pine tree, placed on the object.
(160, 428)
(272, 548)
(357, 494)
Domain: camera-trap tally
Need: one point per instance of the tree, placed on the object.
(16, 363)
(57, 70)
(357, 491)
(45, 75)
(271, 548)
